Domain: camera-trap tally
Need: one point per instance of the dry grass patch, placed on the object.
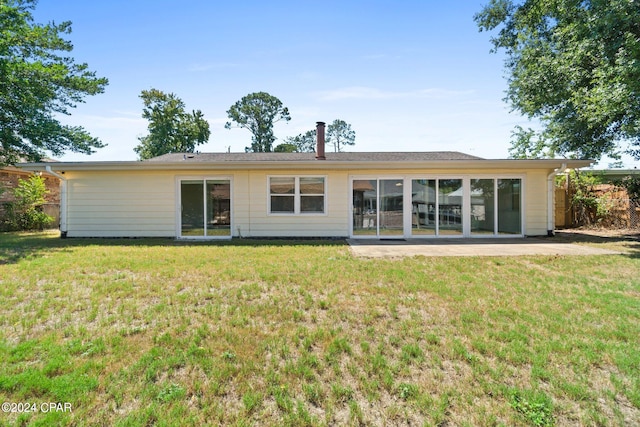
(145, 332)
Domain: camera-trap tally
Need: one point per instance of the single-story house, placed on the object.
(357, 194)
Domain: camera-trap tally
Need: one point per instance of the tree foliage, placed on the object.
(171, 128)
(37, 82)
(25, 212)
(258, 112)
(302, 143)
(575, 66)
(339, 134)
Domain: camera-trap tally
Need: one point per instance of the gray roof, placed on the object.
(300, 157)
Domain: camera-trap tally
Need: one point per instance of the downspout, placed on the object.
(63, 201)
(551, 196)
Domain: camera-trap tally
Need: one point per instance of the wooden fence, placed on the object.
(622, 212)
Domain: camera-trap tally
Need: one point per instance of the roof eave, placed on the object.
(314, 165)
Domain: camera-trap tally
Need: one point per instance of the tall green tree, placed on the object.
(575, 66)
(302, 143)
(339, 134)
(258, 112)
(38, 80)
(171, 128)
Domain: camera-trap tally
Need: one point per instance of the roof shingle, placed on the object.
(380, 156)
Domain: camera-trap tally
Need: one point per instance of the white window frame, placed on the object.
(297, 196)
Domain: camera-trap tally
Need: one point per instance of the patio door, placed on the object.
(205, 208)
(377, 207)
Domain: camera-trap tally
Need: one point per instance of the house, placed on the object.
(362, 195)
(10, 177)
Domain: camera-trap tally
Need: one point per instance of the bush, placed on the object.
(632, 184)
(590, 208)
(25, 213)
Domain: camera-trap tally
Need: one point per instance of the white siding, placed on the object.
(259, 223)
(144, 204)
(120, 204)
(536, 203)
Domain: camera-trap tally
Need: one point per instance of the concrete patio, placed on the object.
(374, 248)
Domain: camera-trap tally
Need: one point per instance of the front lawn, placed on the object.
(158, 332)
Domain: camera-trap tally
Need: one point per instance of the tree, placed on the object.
(339, 134)
(574, 65)
(37, 82)
(258, 112)
(171, 128)
(303, 143)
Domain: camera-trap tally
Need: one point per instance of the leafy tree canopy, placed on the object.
(303, 143)
(171, 128)
(37, 81)
(339, 134)
(575, 66)
(258, 112)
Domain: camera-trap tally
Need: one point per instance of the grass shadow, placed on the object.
(15, 246)
(627, 241)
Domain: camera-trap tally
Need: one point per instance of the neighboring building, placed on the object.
(614, 176)
(9, 179)
(363, 195)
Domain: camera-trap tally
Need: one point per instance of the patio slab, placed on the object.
(374, 248)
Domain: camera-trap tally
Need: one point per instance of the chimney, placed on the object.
(320, 141)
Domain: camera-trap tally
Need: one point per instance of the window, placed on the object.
(297, 195)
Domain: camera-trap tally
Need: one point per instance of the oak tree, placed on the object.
(575, 66)
(171, 128)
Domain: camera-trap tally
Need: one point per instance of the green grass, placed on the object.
(159, 332)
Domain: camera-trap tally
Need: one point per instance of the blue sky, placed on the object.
(407, 75)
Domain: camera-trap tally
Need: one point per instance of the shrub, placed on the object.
(25, 213)
(632, 184)
(590, 207)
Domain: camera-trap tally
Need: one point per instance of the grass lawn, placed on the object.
(158, 332)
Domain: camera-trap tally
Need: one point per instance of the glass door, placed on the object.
(192, 203)
(390, 203)
(450, 198)
(378, 207)
(365, 207)
(436, 207)
(205, 208)
(218, 201)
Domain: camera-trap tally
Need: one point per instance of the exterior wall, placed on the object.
(120, 204)
(536, 203)
(254, 219)
(534, 189)
(144, 203)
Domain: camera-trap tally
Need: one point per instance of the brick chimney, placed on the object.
(320, 141)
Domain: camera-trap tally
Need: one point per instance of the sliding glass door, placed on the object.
(465, 206)
(436, 207)
(391, 204)
(378, 207)
(205, 208)
(496, 206)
